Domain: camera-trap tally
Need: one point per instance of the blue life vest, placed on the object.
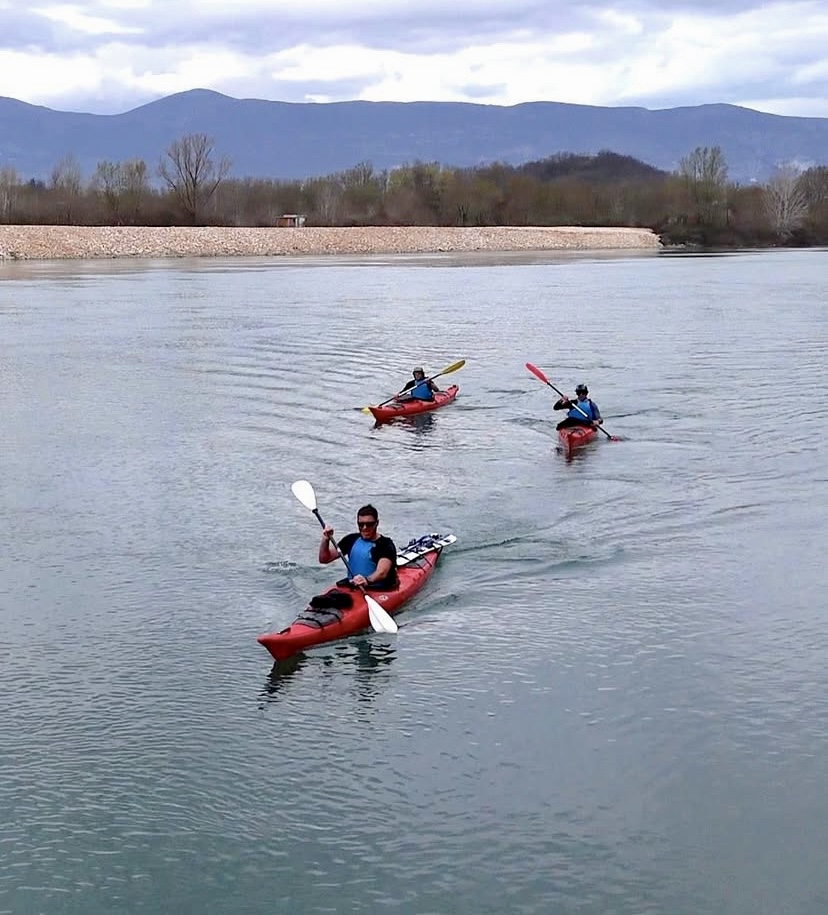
(586, 406)
(359, 559)
(422, 391)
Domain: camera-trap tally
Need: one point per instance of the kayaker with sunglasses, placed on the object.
(582, 410)
(420, 387)
(372, 557)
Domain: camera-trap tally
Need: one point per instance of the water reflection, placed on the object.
(421, 424)
(372, 660)
(365, 659)
(282, 675)
(577, 454)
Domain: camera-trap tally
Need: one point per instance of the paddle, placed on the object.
(381, 620)
(452, 368)
(541, 377)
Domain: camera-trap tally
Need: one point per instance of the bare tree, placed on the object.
(814, 184)
(107, 182)
(362, 192)
(704, 172)
(9, 184)
(324, 196)
(123, 186)
(189, 171)
(520, 194)
(65, 179)
(784, 201)
(457, 201)
(135, 188)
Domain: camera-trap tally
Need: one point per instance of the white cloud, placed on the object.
(503, 73)
(163, 74)
(808, 73)
(791, 106)
(74, 18)
(39, 78)
(629, 52)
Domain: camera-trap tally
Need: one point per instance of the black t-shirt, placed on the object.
(383, 548)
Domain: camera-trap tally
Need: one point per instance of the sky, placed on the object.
(108, 56)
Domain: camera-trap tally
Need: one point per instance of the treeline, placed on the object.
(697, 204)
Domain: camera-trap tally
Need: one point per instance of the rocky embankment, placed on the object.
(60, 242)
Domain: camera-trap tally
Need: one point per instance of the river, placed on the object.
(612, 695)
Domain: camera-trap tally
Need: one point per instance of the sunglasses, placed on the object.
(361, 524)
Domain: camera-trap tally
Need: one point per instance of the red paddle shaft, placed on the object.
(541, 377)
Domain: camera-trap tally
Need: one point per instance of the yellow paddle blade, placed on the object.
(452, 368)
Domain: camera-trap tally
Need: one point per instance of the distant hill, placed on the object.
(285, 140)
(603, 167)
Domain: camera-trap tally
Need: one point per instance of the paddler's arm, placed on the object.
(327, 553)
(382, 570)
(563, 403)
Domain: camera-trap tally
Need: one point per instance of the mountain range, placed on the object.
(282, 140)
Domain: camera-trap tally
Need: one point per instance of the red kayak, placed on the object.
(317, 625)
(574, 436)
(411, 406)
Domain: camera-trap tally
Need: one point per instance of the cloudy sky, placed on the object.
(108, 56)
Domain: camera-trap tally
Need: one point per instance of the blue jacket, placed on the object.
(584, 406)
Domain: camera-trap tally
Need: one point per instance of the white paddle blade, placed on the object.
(381, 620)
(304, 493)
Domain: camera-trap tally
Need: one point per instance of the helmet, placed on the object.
(418, 369)
(582, 389)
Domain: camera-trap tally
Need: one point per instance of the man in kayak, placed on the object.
(420, 387)
(582, 410)
(372, 557)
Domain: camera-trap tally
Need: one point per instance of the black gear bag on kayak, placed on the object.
(325, 609)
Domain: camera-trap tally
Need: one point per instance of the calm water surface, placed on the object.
(612, 696)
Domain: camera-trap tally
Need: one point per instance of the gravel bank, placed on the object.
(55, 242)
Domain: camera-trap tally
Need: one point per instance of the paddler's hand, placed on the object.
(360, 581)
(327, 532)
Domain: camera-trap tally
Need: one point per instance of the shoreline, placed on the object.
(37, 242)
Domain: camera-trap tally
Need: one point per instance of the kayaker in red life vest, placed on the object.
(420, 387)
(372, 557)
(585, 414)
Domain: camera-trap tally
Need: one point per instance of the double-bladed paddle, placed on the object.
(381, 620)
(452, 368)
(541, 377)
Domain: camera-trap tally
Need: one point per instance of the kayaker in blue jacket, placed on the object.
(420, 387)
(372, 557)
(582, 410)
